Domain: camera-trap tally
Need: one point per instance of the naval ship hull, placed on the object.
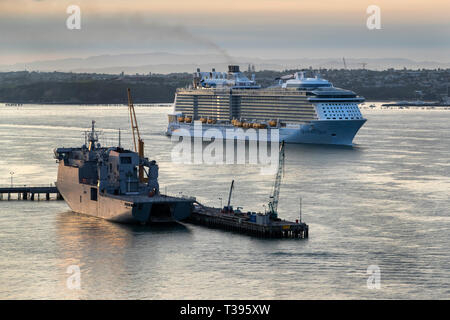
(85, 199)
(331, 132)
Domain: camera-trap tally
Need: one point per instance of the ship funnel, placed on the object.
(233, 69)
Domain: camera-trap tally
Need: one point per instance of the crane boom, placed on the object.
(273, 204)
(229, 196)
(134, 125)
(139, 144)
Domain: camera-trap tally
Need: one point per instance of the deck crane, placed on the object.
(139, 145)
(345, 64)
(229, 208)
(273, 204)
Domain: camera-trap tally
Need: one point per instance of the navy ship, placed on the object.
(297, 109)
(106, 182)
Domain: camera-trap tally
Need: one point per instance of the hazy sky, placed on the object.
(36, 29)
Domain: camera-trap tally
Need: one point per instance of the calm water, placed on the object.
(383, 202)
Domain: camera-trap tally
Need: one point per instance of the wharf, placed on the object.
(32, 193)
(240, 222)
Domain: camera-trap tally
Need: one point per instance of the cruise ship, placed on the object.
(296, 109)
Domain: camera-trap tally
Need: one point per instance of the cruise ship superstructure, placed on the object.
(297, 109)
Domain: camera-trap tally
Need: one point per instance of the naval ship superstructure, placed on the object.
(298, 108)
(104, 182)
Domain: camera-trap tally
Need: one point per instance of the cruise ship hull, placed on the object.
(85, 199)
(331, 132)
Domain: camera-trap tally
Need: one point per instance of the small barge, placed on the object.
(260, 225)
(266, 224)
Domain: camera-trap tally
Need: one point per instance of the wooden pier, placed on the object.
(240, 222)
(31, 193)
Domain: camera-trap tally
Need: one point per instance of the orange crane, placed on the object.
(139, 146)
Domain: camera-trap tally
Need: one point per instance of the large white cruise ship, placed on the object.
(297, 109)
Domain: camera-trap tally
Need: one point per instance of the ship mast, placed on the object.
(93, 137)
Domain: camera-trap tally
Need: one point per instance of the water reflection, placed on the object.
(382, 201)
(112, 255)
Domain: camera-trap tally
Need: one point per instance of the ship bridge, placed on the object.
(332, 94)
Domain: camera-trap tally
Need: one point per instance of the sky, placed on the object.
(36, 29)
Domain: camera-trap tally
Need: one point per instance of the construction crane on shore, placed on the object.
(345, 64)
(273, 204)
(139, 143)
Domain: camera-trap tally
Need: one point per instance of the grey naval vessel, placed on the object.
(104, 182)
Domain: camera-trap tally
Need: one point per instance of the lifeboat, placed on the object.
(238, 123)
(273, 123)
(211, 121)
(203, 120)
(180, 119)
(188, 120)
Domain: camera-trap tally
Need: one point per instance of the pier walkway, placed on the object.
(25, 192)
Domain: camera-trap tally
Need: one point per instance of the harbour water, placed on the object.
(383, 202)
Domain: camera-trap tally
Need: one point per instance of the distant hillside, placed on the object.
(86, 88)
(165, 63)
